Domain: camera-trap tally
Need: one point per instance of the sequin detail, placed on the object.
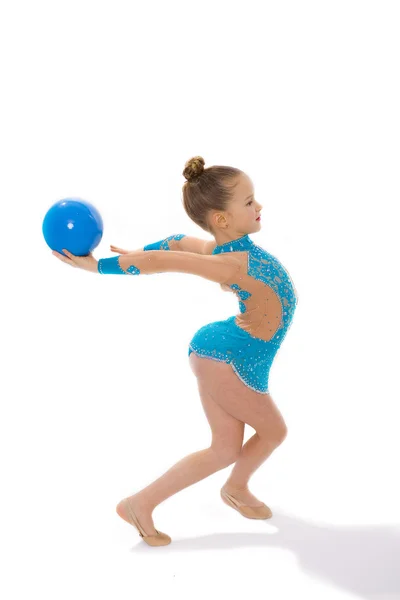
(164, 244)
(250, 357)
(241, 293)
(266, 268)
(133, 270)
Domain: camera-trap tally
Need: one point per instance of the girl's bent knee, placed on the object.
(276, 438)
(225, 456)
(283, 435)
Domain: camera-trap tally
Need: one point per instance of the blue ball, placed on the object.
(73, 224)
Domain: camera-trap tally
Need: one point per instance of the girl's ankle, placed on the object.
(235, 486)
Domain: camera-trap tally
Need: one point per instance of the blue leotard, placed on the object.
(267, 299)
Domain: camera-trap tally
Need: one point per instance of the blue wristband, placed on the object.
(111, 266)
(163, 244)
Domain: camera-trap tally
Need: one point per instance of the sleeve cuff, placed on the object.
(110, 266)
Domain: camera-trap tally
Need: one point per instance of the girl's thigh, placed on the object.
(227, 432)
(241, 402)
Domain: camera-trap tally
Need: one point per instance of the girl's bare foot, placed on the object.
(142, 512)
(242, 495)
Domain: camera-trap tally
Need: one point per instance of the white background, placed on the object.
(106, 101)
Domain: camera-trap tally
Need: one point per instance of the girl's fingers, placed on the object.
(63, 258)
(119, 250)
(70, 257)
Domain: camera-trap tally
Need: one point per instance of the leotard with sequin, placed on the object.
(265, 291)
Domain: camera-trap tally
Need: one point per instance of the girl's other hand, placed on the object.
(119, 250)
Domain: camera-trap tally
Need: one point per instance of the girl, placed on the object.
(231, 359)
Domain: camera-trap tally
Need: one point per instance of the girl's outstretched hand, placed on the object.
(88, 263)
(119, 250)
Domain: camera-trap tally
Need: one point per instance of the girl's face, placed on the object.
(244, 207)
(243, 210)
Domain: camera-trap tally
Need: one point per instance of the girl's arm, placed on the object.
(179, 242)
(191, 244)
(219, 268)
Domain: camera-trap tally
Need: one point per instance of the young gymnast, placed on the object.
(231, 359)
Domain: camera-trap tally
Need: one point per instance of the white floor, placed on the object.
(333, 534)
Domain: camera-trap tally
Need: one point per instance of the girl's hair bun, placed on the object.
(194, 167)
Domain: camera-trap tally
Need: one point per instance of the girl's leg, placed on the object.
(254, 453)
(227, 440)
(228, 404)
(247, 406)
(186, 472)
